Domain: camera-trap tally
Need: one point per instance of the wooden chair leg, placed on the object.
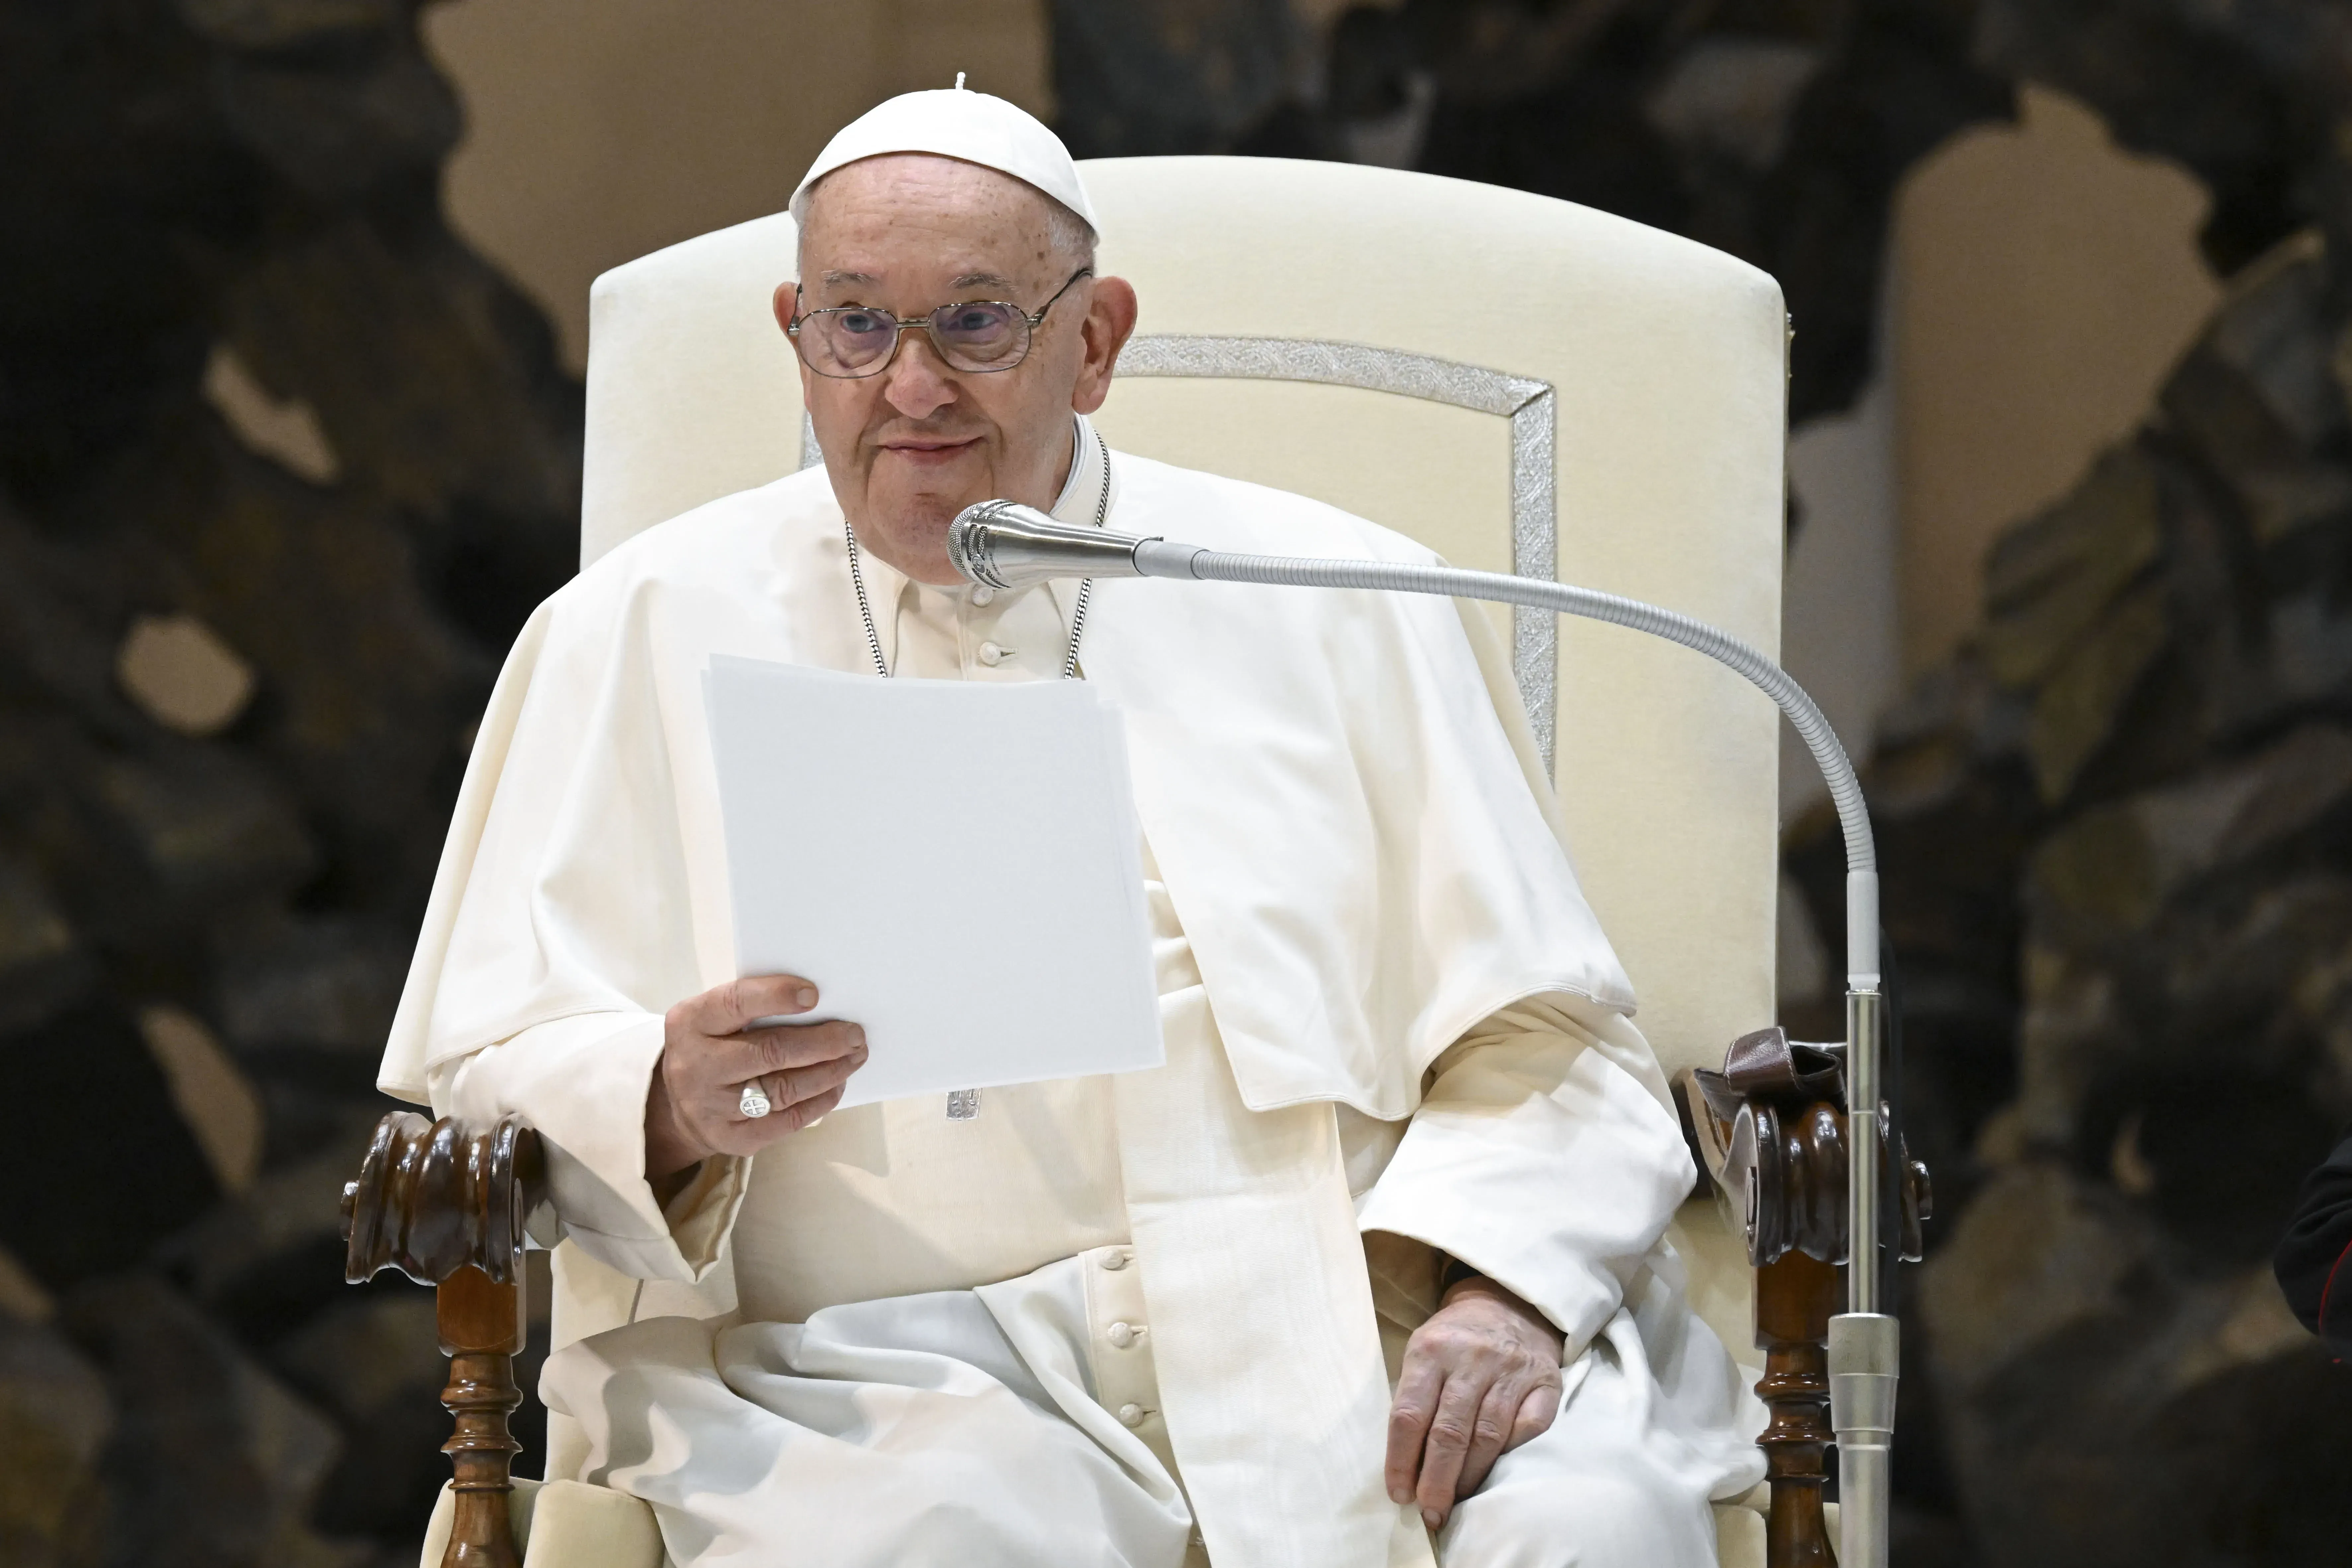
(481, 1334)
(1794, 1298)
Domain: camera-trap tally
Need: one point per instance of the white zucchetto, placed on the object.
(956, 123)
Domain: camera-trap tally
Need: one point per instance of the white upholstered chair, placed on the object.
(1524, 384)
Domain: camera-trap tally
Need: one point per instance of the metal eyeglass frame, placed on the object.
(929, 322)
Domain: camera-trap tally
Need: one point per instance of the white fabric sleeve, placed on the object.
(1545, 1155)
(582, 1081)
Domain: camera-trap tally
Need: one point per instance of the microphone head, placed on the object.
(1004, 545)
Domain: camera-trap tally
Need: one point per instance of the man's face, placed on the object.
(908, 448)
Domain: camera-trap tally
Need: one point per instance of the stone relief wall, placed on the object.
(2114, 831)
(2115, 840)
(282, 467)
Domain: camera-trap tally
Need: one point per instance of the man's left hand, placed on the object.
(1480, 1378)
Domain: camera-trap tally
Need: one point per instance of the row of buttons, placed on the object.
(1123, 1335)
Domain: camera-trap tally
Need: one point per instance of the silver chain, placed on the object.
(865, 610)
(1078, 611)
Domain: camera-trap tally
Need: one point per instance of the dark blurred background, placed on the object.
(292, 312)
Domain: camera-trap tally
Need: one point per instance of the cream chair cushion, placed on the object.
(563, 1524)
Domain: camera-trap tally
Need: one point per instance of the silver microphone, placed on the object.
(1004, 545)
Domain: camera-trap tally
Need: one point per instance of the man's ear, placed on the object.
(786, 302)
(1110, 321)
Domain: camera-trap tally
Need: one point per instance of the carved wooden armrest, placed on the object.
(1770, 1128)
(445, 1201)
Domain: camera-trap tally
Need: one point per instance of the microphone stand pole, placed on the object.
(1003, 545)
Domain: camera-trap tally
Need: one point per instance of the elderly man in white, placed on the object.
(1371, 1272)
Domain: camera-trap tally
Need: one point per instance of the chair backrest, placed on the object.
(1522, 384)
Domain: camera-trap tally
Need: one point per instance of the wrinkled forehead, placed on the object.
(906, 209)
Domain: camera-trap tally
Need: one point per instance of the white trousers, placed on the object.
(967, 1428)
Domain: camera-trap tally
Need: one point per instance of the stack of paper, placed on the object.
(954, 864)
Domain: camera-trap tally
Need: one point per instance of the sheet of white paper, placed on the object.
(954, 864)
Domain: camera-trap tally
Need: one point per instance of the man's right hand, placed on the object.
(693, 1108)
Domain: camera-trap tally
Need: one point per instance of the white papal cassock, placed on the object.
(1108, 1321)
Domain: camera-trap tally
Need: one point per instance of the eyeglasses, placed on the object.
(978, 336)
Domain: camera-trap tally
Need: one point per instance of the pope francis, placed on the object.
(1370, 1272)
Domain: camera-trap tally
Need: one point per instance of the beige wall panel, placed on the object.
(600, 130)
(1003, 46)
(2044, 282)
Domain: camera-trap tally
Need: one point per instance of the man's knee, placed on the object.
(1537, 1514)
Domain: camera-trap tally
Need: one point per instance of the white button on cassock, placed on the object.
(992, 654)
(983, 598)
(1118, 1347)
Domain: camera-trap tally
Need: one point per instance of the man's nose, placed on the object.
(917, 384)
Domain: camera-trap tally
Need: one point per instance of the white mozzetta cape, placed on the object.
(1360, 853)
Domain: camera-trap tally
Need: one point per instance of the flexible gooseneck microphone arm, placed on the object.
(1000, 545)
